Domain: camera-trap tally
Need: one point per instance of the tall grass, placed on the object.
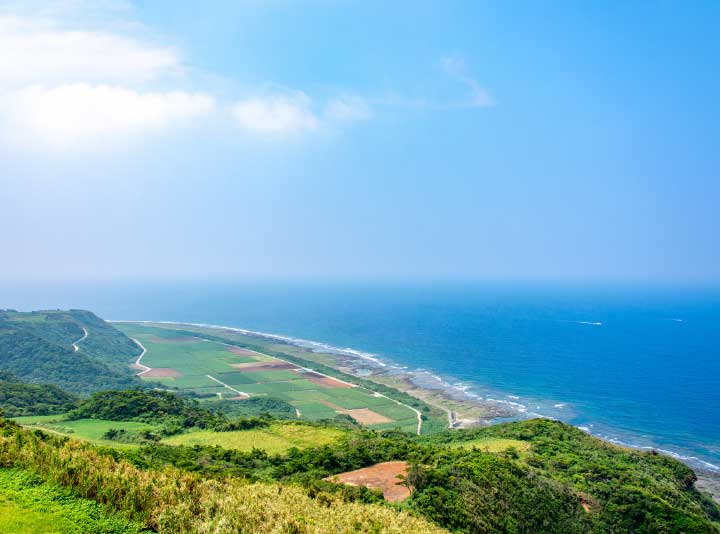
(171, 500)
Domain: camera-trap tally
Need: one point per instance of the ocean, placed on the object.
(634, 366)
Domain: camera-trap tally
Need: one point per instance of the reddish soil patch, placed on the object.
(321, 380)
(367, 417)
(262, 366)
(384, 476)
(241, 352)
(156, 339)
(162, 372)
(361, 415)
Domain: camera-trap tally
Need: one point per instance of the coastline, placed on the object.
(462, 402)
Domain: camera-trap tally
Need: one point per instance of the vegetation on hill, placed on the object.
(145, 406)
(20, 399)
(37, 347)
(548, 477)
(626, 490)
(170, 500)
(563, 481)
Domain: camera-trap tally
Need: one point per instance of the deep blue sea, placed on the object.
(641, 366)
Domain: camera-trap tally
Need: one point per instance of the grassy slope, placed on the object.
(170, 500)
(29, 505)
(277, 438)
(92, 430)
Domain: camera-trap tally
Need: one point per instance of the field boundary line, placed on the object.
(229, 387)
(417, 412)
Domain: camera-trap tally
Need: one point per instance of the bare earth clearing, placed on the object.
(386, 476)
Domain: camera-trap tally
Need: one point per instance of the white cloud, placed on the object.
(69, 114)
(347, 108)
(38, 51)
(479, 96)
(275, 114)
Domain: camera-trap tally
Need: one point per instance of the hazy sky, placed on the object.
(360, 139)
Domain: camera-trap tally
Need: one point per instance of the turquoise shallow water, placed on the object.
(637, 366)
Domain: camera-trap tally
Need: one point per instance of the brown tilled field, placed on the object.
(321, 380)
(361, 415)
(185, 339)
(367, 417)
(241, 352)
(263, 366)
(384, 476)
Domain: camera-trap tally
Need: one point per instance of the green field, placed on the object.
(275, 439)
(29, 505)
(196, 360)
(491, 444)
(86, 429)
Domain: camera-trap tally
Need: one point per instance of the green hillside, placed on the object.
(37, 347)
(18, 398)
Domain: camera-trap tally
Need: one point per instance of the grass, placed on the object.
(91, 430)
(491, 444)
(29, 505)
(275, 439)
(38, 419)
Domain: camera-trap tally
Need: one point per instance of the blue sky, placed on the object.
(559, 141)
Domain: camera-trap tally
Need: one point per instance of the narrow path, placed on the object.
(229, 387)
(75, 344)
(417, 412)
(144, 368)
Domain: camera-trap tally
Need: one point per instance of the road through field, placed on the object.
(229, 387)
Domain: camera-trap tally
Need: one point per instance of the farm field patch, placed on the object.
(88, 429)
(275, 439)
(200, 367)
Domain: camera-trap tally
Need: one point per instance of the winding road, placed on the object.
(144, 368)
(75, 344)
